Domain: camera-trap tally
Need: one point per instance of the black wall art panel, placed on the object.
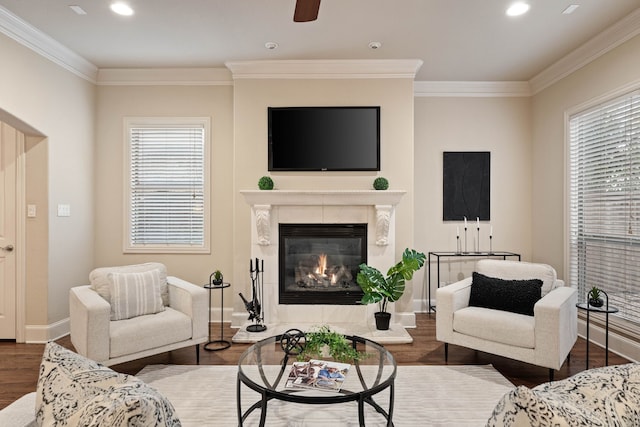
(466, 185)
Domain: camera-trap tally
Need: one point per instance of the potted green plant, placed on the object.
(265, 183)
(383, 290)
(217, 278)
(595, 299)
(380, 183)
(322, 343)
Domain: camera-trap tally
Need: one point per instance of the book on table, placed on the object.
(317, 375)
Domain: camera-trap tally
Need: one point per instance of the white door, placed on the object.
(8, 143)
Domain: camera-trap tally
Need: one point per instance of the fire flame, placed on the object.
(322, 264)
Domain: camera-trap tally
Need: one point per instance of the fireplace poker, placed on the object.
(257, 288)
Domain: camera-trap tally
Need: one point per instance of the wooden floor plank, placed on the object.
(19, 362)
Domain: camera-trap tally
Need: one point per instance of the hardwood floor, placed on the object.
(19, 362)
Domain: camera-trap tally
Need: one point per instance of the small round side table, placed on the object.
(219, 344)
(606, 310)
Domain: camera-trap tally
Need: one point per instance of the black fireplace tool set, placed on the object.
(254, 307)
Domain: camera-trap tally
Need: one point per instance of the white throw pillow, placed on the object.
(134, 294)
(100, 282)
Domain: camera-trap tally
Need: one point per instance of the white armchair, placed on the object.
(180, 320)
(544, 339)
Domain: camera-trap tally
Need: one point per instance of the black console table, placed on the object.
(498, 254)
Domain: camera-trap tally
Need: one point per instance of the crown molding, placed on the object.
(325, 69)
(604, 42)
(471, 89)
(164, 77)
(29, 36)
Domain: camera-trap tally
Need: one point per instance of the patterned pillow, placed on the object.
(134, 294)
(100, 282)
(73, 390)
(600, 397)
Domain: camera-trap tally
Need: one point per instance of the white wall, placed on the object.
(614, 70)
(118, 101)
(499, 125)
(59, 105)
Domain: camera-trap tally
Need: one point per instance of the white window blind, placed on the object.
(167, 186)
(605, 202)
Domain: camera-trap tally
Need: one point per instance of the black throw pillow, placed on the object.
(516, 296)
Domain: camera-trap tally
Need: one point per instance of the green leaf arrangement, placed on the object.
(340, 348)
(383, 290)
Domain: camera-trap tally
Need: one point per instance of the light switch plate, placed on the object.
(64, 210)
(31, 211)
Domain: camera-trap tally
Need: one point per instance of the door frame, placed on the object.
(20, 253)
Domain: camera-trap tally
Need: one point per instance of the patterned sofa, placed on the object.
(608, 396)
(75, 391)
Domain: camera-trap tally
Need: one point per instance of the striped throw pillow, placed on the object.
(134, 294)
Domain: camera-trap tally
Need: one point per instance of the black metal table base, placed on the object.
(262, 405)
(217, 345)
(256, 328)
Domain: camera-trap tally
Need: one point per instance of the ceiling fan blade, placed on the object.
(306, 10)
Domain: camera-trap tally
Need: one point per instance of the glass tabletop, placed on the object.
(266, 367)
(603, 309)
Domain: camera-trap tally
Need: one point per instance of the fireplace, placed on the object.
(318, 263)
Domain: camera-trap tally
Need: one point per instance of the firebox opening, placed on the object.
(319, 263)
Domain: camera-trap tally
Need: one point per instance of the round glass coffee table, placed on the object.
(264, 367)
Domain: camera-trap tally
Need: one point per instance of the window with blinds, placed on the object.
(605, 203)
(167, 185)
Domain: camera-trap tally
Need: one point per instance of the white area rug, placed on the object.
(454, 396)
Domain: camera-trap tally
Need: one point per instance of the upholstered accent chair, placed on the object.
(135, 311)
(533, 319)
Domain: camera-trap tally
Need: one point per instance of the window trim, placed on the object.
(130, 122)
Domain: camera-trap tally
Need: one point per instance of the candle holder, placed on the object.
(457, 244)
(465, 240)
(478, 242)
(490, 244)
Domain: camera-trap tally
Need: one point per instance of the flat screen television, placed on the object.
(324, 138)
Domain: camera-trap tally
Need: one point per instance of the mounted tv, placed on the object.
(324, 138)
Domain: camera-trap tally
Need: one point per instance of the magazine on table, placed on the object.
(317, 375)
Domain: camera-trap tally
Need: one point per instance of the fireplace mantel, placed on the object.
(261, 202)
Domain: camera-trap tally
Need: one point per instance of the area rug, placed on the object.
(424, 395)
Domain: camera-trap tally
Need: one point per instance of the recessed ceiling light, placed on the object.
(570, 9)
(375, 45)
(122, 9)
(518, 8)
(77, 9)
(271, 45)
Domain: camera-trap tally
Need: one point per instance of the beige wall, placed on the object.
(40, 95)
(499, 125)
(115, 103)
(611, 72)
(251, 99)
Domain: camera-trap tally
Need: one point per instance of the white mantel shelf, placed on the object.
(383, 201)
(323, 197)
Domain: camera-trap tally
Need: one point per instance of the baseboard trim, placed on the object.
(41, 334)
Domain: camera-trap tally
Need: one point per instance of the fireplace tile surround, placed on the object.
(269, 208)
